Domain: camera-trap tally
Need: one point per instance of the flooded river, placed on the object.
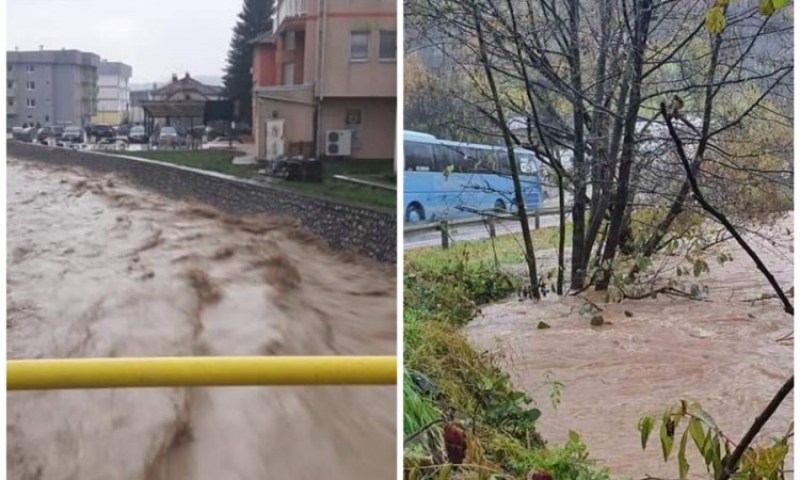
(723, 353)
(98, 268)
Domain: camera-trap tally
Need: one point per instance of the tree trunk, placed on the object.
(530, 256)
(643, 14)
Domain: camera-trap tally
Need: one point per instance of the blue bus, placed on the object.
(447, 180)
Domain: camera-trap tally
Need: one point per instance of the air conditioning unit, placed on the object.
(338, 143)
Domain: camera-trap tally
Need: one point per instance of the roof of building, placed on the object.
(187, 84)
(63, 56)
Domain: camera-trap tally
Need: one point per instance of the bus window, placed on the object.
(466, 162)
(487, 161)
(504, 166)
(419, 156)
(446, 156)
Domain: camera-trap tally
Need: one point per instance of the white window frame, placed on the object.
(30, 102)
(30, 85)
(365, 34)
(30, 68)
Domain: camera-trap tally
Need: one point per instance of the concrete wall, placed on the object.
(377, 124)
(371, 233)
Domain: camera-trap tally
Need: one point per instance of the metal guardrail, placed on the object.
(91, 373)
(367, 183)
(484, 218)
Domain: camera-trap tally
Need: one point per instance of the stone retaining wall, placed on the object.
(365, 231)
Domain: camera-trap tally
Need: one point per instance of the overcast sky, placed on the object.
(155, 37)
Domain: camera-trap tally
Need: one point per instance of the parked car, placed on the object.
(102, 131)
(45, 133)
(72, 135)
(122, 130)
(168, 136)
(242, 128)
(137, 134)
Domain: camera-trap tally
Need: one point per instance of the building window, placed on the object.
(9, 68)
(359, 46)
(31, 102)
(29, 68)
(388, 46)
(10, 101)
(287, 74)
(31, 86)
(187, 97)
(289, 44)
(10, 84)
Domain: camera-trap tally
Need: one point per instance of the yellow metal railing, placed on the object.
(47, 374)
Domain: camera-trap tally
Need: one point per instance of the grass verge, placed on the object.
(221, 161)
(373, 170)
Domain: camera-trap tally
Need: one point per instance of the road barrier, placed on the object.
(488, 219)
(89, 373)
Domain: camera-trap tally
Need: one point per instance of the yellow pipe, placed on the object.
(48, 374)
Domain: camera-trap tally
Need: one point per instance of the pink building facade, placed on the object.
(328, 65)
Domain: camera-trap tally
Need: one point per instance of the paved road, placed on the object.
(470, 232)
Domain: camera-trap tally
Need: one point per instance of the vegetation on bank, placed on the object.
(221, 161)
(454, 395)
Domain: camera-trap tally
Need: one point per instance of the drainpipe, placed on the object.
(321, 74)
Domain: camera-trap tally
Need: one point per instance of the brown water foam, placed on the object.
(723, 352)
(97, 268)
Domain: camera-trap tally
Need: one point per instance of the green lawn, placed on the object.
(221, 161)
(376, 171)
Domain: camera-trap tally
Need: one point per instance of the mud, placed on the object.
(97, 268)
(723, 352)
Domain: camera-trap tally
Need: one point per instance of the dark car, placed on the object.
(72, 135)
(45, 133)
(122, 130)
(102, 131)
(137, 134)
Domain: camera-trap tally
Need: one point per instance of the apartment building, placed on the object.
(51, 87)
(113, 97)
(327, 67)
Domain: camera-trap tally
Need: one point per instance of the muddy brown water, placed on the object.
(98, 268)
(722, 352)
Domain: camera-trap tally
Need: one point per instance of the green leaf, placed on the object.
(778, 4)
(695, 429)
(444, 473)
(644, 263)
(542, 325)
(574, 437)
(696, 410)
(645, 427)
(715, 20)
(766, 8)
(683, 465)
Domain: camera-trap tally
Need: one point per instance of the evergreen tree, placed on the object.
(254, 19)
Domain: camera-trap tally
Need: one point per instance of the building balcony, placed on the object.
(287, 11)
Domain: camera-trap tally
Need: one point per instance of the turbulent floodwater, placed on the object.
(722, 352)
(97, 268)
